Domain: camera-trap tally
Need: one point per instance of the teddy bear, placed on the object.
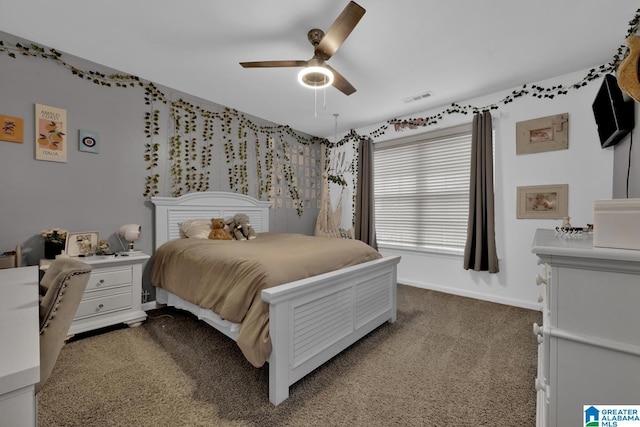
(217, 230)
(242, 227)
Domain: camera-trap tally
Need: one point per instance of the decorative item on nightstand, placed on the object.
(103, 248)
(54, 241)
(130, 233)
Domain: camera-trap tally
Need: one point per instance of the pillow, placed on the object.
(195, 228)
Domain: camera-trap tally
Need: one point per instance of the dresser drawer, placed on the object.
(109, 277)
(104, 304)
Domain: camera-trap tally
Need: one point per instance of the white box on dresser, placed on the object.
(589, 340)
(616, 223)
(113, 294)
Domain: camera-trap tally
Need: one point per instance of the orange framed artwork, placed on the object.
(51, 133)
(12, 129)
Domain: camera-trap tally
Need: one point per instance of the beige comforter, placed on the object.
(227, 276)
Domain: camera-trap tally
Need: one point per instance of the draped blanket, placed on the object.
(228, 276)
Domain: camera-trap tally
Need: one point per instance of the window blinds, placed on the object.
(421, 188)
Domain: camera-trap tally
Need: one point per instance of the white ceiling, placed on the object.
(457, 49)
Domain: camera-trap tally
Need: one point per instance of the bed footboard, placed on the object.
(312, 320)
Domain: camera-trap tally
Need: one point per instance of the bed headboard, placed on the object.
(170, 211)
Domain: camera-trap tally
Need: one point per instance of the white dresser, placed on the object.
(113, 294)
(589, 340)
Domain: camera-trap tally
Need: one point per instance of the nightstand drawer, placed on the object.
(109, 277)
(113, 293)
(104, 304)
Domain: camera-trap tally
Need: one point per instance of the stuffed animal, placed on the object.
(217, 230)
(229, 227)
(243, 229)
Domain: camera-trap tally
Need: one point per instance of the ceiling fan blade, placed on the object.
(340, 30)
(262, 64)
(340, 83)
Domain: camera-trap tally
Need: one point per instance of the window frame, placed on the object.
(425, 137)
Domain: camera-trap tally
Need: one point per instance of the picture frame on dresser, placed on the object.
(81, 243)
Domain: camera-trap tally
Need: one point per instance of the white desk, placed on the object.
(19, 345)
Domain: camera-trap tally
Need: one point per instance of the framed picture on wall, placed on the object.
(88, 141)
(12, 129)
(51, 133)
(543, 202)
(543, 134)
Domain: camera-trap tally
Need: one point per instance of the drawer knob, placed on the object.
(540, 385)
(99, 307)
(100, 282)
(540, 280)
(537, 329)
(540, 298)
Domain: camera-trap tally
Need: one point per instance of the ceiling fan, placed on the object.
(316, 73)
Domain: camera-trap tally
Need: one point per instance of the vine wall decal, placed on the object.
(197, 132)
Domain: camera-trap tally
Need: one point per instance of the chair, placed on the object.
(63, 285)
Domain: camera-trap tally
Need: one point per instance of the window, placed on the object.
(421, 187)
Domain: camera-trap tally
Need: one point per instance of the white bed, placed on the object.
(310, 320)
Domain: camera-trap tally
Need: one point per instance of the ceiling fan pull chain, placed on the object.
(324, 95)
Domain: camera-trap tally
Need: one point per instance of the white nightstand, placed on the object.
(113, 294)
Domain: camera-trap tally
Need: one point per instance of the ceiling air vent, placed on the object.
(417, 97)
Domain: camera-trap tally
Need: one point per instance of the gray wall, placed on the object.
(90, 192)
(625, 170)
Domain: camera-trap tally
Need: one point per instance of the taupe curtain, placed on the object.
(480, 251)
(365, 228)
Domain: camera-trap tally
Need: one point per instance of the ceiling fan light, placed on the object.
(315, 77)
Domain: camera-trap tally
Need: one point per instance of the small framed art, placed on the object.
(88, 141)
(543, 202)
(12, 129)
(81, 244)
(543, 134)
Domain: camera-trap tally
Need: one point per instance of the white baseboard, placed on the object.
(471, 294)
(149, 306)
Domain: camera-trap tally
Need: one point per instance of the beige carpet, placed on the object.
(447, 361)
